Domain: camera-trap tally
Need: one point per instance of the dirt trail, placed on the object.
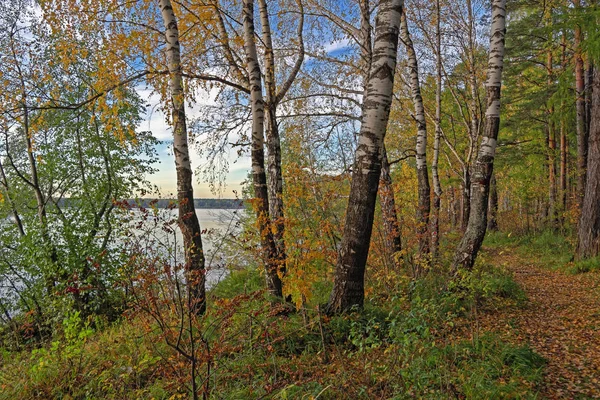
(561, 321)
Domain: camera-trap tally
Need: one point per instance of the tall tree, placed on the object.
(188, 220)
(474, 108)
(550, 130)
(273, 96)
(424, 205)
(467, 250)
(588, 234)
(437, 187)
(389, 215)
(259, 177)
(348, 287)
(582, 126)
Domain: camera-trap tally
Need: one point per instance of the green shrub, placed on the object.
(583, 266)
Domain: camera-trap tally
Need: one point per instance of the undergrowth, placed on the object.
(410, 344)
(546, 249)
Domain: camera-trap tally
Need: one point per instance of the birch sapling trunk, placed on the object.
(473, 84)
(437, 187)
(588, 233)
(470, 244)
(453, 206)
(55, 273)
(188, 220)
(275, 176)
(474, 125)
(259, 178)
(348, 286)
(424, 206)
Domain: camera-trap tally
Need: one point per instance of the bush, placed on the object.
(583, 266)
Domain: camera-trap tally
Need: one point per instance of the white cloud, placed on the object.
(337, 45)
(165, 178)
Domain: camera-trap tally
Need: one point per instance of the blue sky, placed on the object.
(165, 177)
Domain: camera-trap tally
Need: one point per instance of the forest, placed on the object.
(420, 217)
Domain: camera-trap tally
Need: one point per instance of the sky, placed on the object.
(165, 177)
(239, 166)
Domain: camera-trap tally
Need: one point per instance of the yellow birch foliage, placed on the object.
(314, 206)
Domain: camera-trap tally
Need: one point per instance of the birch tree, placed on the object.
(188, 220)
(259, 178)
(424, 205)
(393, 240)
(470, 244)
(274, 94)
(437, 187)
(348, 287)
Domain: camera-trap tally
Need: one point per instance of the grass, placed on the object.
(583, 266)
(406, 345)
(546, 249)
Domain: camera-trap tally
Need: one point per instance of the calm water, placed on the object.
(216, 225)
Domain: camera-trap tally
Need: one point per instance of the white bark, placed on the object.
(424, 203)
(188, 220)
(254, 75)
(470, 244)
(259, 179)
(348, 288)
(496, 56)
(437, 188)
(417, 99)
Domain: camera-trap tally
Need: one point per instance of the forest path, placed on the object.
(560, 321)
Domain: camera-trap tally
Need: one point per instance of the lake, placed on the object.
(160, 233)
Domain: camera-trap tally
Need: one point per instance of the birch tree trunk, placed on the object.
(391, 226)
(588, 234)
(188, 220)
(424, 206)
(348, 286)
(259, 178)
(467, 250)
(474, 86)
(275, 176)
(273, 97)
(437, 187)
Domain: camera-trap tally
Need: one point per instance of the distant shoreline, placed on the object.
(214, 204)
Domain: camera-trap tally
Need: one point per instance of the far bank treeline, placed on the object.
(216, 204)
